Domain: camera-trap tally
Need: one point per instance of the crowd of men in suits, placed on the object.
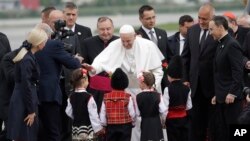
(195, 42)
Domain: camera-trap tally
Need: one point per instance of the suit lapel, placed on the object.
(177, 45)
(144, 34)
(158, 36)
(196, 38)
(77, 31)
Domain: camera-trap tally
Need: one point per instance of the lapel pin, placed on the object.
(79, 33)
(159, 37)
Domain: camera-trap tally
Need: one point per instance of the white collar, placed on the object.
(148, 90)
(148, 30)
(181, 37)
(73, 28)
(80, 90)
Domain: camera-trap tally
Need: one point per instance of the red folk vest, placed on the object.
(116, 103)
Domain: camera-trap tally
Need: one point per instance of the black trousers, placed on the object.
(200, 116)
(50, 119)
(120, 132)
(226, 114)
(177, 129)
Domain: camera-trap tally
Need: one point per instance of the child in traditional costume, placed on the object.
(82, 109)
(150, 106)
(177, 97)
(117, 111)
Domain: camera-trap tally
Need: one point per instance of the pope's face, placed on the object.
(127, 39)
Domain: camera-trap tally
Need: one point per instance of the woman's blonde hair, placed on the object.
(35, 37)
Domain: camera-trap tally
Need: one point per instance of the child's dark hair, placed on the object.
(76, 77)
(119, 80)
(149, 78)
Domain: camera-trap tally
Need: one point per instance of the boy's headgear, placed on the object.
(119, 80)
(175, 67)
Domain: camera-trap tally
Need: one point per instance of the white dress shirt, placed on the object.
(166, 100)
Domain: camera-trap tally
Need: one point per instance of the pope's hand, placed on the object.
(89, 68)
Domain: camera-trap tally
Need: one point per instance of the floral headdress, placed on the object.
(140, 77)
(84, 72)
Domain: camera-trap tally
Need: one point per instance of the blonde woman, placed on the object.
(22, 122)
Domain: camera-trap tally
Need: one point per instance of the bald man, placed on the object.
(198, 54)
(72, 46)
(50, 60)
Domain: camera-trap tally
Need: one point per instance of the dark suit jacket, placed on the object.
(174, 43)
(72, 44)
(50, 60)
(246, 57)
(7, 82)
(246, 48)
(228, 72)
(240, 36)
(82, 32)
(162, 42)
(4, 45)
(199, 64)
(92, 47)
(4, 91)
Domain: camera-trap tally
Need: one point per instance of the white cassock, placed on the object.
(143, 56)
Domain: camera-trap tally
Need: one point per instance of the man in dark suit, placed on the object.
(158, 36)
(228, 75)
(4, 45)
(7, 84)
(239, 32)
(176, 41)
(246, 60)
(198, 55)
(51, 59)
(71, 13)
(91, 48)
(4, 48)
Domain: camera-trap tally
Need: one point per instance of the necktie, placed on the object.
(203, 39)
(152, 37)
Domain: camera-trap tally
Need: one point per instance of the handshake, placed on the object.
(86, 66)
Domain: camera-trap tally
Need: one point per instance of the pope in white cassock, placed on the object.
(132, 54)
